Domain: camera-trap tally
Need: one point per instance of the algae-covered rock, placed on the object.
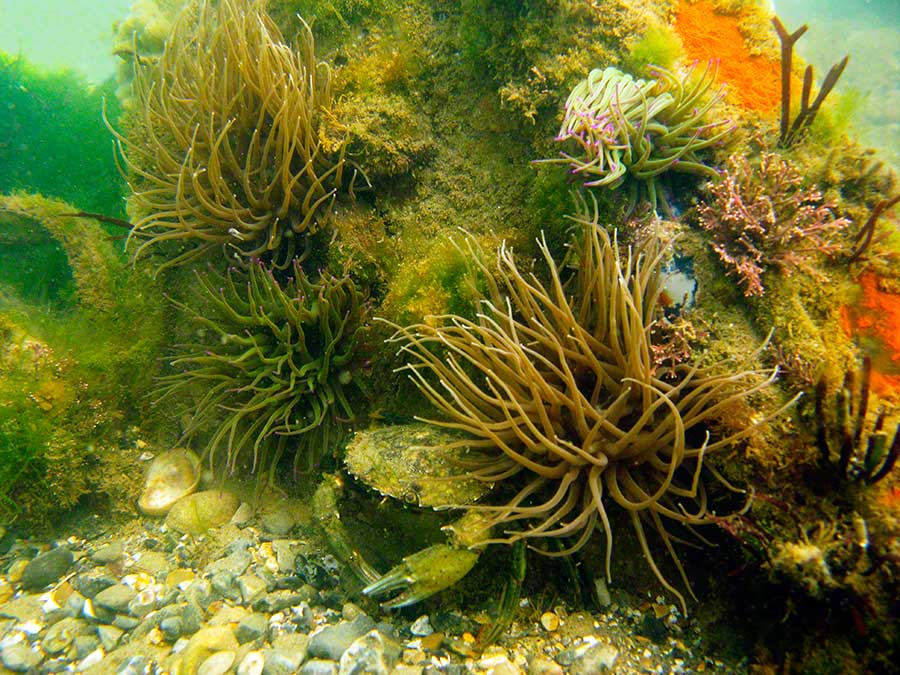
(46, 568)
(201, 511)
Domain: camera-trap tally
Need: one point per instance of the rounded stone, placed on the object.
(600, 658)
(320, 667)
(251, 628)
(367, 655)
(60, 635)
(543, 665)
(109, 554)
(46, 568)
(109, 636)
(172, 628)
(201, 511)
(115, 598)
(277, 521)
(135, 665)
(206, 642)
(217, 664)
(252, 664)
(20, 658)
(332, 641)
(421, 626)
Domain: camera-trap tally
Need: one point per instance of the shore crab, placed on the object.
(399, 462)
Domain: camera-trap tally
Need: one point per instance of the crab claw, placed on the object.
(423, 574)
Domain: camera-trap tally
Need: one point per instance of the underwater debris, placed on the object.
(790, 132)
(279, 363)
(864, 454)
(556, 385)
(761, 216)
(621, 127)
(224, 148)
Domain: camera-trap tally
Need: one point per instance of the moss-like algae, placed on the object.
(74, 375)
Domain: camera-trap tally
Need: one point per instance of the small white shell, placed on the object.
(171, 476)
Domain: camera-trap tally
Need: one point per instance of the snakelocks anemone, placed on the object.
(625, 131)
(556, 388)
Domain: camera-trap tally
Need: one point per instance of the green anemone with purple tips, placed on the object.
(272, 370)
(623, 131)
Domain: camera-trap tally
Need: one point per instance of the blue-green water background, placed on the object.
(78, 34)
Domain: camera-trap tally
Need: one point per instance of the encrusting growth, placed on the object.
(555, 384)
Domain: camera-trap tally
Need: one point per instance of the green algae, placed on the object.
(76, 373)
(54, 140)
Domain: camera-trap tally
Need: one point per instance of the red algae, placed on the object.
(875, 321)
(753, 81)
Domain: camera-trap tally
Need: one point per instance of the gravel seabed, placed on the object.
(141, 598)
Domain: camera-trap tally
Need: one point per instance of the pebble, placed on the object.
(290, 648)
(20, 658)
(499, 664)
(421, 626)
(60, 635)
(180, 577)
(599, 658)
(251, 588)
(243, 515)
(252, 663)
(14, 573)
(367, 655)
(285, 555)
(320, 667)
(172, 628)
(202, 511)
(217, 664)
(543, 665)
(91, 659)
(115, 598)
(144, 602)
(332, 641)
(204, 643)
(92, 582)
(251, 627)
(154, 563)
(109, 636)
(234, 564)
(278, 521)
(135, 665)
(84, 645)
(46, 568)
(109, 554)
